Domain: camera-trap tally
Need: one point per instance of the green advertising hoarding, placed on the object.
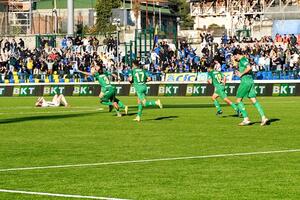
(153, 89)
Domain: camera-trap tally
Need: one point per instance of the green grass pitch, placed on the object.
(186, 127)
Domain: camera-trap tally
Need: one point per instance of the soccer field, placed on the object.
(183, 151)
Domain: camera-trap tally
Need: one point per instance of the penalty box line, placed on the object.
(56, 195)
(149, 160)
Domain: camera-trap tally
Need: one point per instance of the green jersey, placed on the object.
(103, 81)
(216, 78)
(247, 86)
(139, 76)
(243, 64)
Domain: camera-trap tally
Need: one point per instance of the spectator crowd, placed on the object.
(46, 63)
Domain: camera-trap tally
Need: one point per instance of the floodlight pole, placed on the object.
(70, 17)
(55, 17)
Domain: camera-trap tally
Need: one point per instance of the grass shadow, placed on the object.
(272, 121)
(237, 116)
(183, 106)
(189, 106)
(162, 118)
(131, 114)
(268, 123)
(44, 117)
(168, 117)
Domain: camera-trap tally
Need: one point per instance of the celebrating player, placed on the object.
(58, 100)
(139, 77)
(219, 80)
(108, 91)
(246, 88)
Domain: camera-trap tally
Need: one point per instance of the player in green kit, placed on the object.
(139, 77)
(247, 88)
(219, 80)
(108, 91)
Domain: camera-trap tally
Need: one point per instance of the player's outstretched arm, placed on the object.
(117, 78)
(85, 73)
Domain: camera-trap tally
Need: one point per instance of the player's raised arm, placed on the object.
(209, 77)
(224, 79)
(148, 77)
(209, 81)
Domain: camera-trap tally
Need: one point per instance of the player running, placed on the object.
(139, 77)
(58, 100)
(247, 88)
(108, 91)
(219, 80)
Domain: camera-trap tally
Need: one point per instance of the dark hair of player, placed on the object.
(211, 66)
(101, 70)
(136, 63)
(237, 52)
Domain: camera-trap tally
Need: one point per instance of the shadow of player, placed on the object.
(183, 106)
(44, 117)
(165, 118)
(268, 123)
(231, 116)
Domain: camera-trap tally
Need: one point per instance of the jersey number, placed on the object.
(139, 76)
(219, 78)
(106, 80)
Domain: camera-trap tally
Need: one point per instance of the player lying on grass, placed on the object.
(246, 88)
(219, 80)
(108, 91)
(139, 77)
(58, 100)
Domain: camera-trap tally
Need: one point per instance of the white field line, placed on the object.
(150, 160)
(56, 195)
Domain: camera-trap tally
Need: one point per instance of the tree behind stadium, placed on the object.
(181, 8)
(104, 15)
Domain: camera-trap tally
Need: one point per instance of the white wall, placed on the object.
(200, 22)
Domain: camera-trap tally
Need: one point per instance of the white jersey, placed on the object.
(50, 104)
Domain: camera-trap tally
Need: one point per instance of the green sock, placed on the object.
(234, 106)
(217, 105)
(121, 105)
(242, 109)
(259, 108)
(150, 103)
(140, 110)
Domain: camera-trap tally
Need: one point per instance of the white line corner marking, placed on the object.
(149, 160)
(57, 195)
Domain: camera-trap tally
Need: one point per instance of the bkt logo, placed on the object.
(181, 77)
(24, 91)
(85, 90)
(57, 90)
(284, 90)
(196, 90)
(2, 90)
(132, 90)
